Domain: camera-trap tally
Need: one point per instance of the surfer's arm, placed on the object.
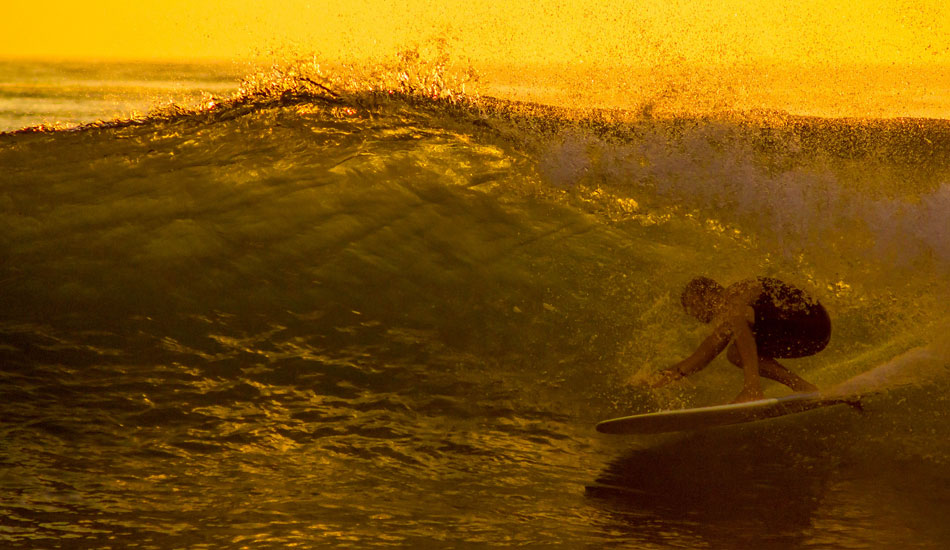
(704, 354)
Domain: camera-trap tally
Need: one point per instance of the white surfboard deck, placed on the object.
(720, 415)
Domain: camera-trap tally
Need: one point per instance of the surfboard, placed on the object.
(720, 415)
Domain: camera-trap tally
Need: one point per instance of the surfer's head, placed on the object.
(702, 298)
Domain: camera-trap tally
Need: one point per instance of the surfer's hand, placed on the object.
(663, 378)
(647, 380)
(749, 394)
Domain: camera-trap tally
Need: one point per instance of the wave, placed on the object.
(400, 196)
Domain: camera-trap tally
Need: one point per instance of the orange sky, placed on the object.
(628, 32)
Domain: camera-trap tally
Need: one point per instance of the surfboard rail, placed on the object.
(720, 415)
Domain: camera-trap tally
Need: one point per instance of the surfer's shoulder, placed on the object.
(744, 292)
(740, 297)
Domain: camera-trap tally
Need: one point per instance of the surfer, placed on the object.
(764, 319)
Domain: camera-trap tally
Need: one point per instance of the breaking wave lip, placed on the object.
(800, 196)
(772, 169)
(841, 191)
(764, 164)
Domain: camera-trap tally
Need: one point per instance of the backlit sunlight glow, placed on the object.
(868, 58)
(625, 32)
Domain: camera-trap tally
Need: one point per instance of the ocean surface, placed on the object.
(308, 313)
(70, 93)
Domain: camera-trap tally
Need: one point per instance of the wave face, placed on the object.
(364, 322)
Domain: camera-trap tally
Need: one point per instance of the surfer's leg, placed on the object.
(773, 370)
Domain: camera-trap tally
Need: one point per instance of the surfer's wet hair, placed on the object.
(698, 295)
